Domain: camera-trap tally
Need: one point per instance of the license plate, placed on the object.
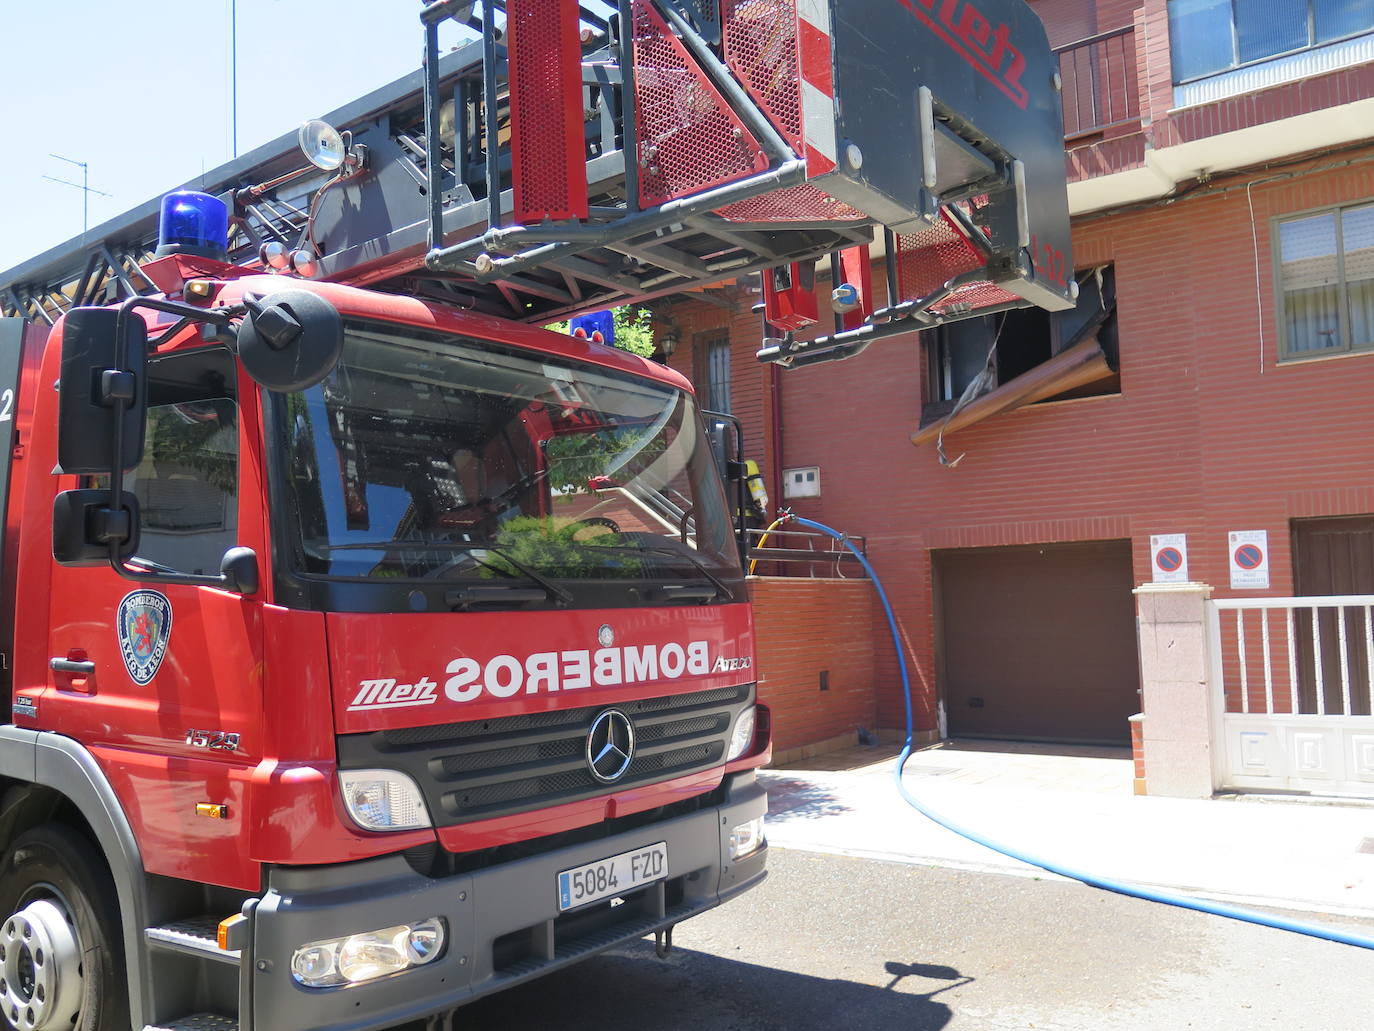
(616, 875)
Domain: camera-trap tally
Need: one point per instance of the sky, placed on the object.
(140, 91)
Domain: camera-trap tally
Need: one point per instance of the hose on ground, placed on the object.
(1167, 898)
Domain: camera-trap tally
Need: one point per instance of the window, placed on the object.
(1326, 281)
(1211, 36)
(712, 370)
(1025, 338)
(187, 483)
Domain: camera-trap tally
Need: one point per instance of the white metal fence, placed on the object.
(1291, 699)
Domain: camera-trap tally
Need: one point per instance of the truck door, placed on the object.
(163, 681)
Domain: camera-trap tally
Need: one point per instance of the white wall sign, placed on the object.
(1249, 550)
(1169, 558)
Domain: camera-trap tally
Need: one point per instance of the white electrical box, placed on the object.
(802, 483)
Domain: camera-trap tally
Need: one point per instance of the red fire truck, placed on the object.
(370, 649)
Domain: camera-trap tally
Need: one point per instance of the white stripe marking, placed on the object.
(818, 120)
(817, 12)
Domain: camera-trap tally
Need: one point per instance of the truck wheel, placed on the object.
(61, 957)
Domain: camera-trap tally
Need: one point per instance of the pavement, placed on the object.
(1076, 806)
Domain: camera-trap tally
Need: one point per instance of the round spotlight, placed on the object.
(275, 254)
(322, 145)
(305, 263)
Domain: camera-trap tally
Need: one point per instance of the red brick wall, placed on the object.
(1209, 434)
(804, 627)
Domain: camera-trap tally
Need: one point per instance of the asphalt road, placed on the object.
(836, 942)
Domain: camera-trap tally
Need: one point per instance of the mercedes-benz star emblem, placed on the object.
(610, 746)
(606, 636)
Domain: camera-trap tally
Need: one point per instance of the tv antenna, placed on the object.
(83, 186)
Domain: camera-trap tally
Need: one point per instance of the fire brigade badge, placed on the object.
(145, 627)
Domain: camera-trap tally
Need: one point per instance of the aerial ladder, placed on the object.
(578, 156)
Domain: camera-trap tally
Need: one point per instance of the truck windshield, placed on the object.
(427, 456)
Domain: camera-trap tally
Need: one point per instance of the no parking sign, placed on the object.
(1249, 551)
(1169, 558)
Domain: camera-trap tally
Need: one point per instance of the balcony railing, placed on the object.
(1100, 82)
(801, 553)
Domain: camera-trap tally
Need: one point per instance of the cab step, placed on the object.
(196, 936)
(196, 1022)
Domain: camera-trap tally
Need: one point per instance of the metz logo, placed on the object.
(974, 39)
(387, 694)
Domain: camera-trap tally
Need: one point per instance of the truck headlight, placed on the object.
(365, 957)
(746, 839)
(383, 800)
(743, 734)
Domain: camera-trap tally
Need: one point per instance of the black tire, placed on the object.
(58, 863)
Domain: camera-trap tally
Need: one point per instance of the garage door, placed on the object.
(1039, 642)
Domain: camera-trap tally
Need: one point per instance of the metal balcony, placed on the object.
(1101, 88)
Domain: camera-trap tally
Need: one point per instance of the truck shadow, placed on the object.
(628, 990)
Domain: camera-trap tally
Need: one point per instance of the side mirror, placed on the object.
(99, 369)
(84, 526)
(721, 439)
(239, 568)
(290, 340)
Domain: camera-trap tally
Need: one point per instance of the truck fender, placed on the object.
(68, 768)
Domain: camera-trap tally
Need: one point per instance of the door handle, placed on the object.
(71, 666)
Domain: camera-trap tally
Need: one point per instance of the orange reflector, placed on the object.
(214, 810)
(226, 928)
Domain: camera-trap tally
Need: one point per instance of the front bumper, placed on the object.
(504, 926)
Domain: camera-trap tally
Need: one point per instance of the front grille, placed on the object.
(487, 768)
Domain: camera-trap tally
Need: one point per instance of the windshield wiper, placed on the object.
(551, 589)
(681, 592)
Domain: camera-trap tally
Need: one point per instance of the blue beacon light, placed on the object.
(193, 223)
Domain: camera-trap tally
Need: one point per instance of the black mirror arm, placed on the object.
(238, 572)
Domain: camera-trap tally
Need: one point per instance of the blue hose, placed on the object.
(1249, 916)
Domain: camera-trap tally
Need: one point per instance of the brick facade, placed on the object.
(1210, 432)
(815, 660)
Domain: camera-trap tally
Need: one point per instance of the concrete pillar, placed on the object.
(1176, 731)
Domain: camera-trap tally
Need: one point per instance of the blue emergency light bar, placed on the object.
(596, 325)
(193, 223)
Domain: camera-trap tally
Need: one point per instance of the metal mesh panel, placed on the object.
(683, 757)
(492, 758)
(547, 148)
(976, 296)
(689, 139)
(803, 203)
(760, 38)
(700, 725)
(926, 261)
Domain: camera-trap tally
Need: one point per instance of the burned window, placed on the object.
(996, 349)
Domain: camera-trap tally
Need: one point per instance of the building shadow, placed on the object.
(801, 799)
(628, 990)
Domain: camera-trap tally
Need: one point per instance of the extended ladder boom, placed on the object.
(582, 155)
